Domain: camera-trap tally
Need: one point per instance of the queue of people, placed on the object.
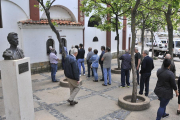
(72, 70)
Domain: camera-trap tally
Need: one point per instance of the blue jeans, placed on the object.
(53, 72)
(107, 71)
(162, 109)
(102, 71)
(81, 63)
(63, 60)
(95, 73)
(144, 80)
(124, 74)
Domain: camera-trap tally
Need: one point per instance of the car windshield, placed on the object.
(163, 41)
(177, 43)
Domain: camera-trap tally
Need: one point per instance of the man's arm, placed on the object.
(103, 57)
(143, 66)
(121, 58)
(75, 71)
(139, 61)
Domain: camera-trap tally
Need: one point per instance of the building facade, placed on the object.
(35, 35)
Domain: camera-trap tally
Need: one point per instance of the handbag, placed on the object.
(94, 61)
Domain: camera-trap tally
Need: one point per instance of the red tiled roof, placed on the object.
(45, 22)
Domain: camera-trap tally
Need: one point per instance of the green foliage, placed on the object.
(55, 23)
(114, 10)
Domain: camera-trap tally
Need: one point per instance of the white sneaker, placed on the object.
(80, 75)
(84, 74)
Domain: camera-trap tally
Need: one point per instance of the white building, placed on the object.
(35, 35)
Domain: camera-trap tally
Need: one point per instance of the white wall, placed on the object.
(72, 5)
(128, 34)
(114, 42)
(58, 13)
(23, 4)
(90, 33)
(35, 42)
(11, 14)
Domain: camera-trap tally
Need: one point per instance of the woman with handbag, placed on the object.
(95, 63)
(164, 88)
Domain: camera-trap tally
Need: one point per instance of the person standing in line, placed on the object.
(164, 88)
(147, 66)
(101, 62)
(81, 54)
(53, 61)
(76, 46)
(89, 55)
(65, 50)
(137, 63)
(71, 72)
(172, 68)
(178, 111)
(70, 50)
(95, 59)
(107, 57)
(125, 67)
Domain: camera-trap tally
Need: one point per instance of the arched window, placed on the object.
(64, 41)
(95, 39)
(50, 42)
(94, 21)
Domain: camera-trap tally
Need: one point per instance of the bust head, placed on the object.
(13, 53)
(13, 39)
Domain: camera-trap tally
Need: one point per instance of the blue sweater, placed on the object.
(71, 69)
(94, 59)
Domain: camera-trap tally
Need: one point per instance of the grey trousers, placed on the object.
(74, 88)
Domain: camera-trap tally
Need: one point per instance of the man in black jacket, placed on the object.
(147, 66)
(125, 67)
(71, 72)
(80, 58)
(101, 62)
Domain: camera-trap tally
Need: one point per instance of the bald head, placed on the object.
(168, 56)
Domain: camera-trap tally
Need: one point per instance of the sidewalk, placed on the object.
(96, 102)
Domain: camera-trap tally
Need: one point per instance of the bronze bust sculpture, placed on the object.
(13, 53)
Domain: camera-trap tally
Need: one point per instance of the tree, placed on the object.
(110, 12)
(46, 7)
(170, 9)
(135, 5)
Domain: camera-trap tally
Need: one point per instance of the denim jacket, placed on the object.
(95, 61)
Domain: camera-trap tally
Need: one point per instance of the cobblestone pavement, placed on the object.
(96, 102)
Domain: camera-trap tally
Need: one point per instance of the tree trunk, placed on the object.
(117, 34)
(133, 21)
(142, 41)
(152, 38)
(170, 30)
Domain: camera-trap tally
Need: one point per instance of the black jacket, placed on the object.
(81, 53)
(179, 83)
(147, 65)
(101, 62)
(126, 61)
(165, 84)
(71, 69)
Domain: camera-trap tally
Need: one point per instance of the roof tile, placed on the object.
(45, 21)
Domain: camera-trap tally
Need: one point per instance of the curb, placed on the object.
(134, 106)
(115, 71)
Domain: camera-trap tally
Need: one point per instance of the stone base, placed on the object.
(116, 71)
(139, 106)
(64, 83)
(17, 89)
(43, 67)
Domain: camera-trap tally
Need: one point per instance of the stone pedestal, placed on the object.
(17, 89)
